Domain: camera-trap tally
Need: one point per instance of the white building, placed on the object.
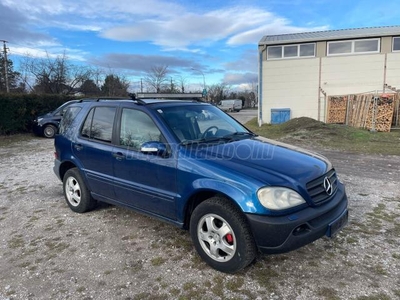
(298, 71)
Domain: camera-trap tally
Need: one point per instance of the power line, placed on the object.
(5, 64)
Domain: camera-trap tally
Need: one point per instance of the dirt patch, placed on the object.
(309, 132)
(303, 123)
(49, 252)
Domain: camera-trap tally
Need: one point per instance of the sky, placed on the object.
(213, 41)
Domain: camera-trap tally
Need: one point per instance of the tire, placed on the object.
(76, 193)
(232, 251)
(49, 131)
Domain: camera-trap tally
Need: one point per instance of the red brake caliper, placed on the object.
(229, 238)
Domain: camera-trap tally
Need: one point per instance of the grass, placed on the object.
(16, 242)
(306, 131)
(158, 261)
(235, 284)
(380, 296)
(328, 293)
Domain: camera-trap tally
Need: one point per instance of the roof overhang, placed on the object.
(330, 35)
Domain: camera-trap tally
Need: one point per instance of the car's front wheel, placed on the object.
(222, 236)
(76, 193)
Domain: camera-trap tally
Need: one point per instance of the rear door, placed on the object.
(93, 147)
(143, 181)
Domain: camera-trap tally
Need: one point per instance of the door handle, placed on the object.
(118, 156)
(78, 147)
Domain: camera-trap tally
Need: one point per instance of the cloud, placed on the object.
(13, 28)
(238, 25)
(73, 54)
(178, 32)
(143, 63)
(248, 60)
(240, 78)
(275, 26)
(169, 25)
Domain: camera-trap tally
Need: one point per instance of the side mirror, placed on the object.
(153, 147)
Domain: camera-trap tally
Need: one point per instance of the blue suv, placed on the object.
(237, 193)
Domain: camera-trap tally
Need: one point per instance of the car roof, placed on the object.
(141, 102)
(151, 100)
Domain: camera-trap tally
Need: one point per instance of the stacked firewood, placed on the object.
(337, 109)
(364, 111)
(380, 115)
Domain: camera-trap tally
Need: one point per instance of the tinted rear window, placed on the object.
(99, 124)
(68, 117)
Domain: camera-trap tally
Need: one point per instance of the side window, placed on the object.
(85, 131)
(99, 124)
(137, 128)
(68, 118)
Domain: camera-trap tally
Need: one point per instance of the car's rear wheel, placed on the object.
(76, 193)
(222, 236)
(49, 131)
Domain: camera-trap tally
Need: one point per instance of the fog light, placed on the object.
(302, 229)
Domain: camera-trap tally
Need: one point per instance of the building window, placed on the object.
(291, 51)
(396, 44)
(274, 52)
(354, 47)
(339, 48)
(307, 50)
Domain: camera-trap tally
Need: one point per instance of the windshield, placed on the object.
(198, 123)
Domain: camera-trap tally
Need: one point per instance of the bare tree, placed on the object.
(54, 75)
(182, 82)
(157, 78)
(218, 92)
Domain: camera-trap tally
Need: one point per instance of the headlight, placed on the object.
(278, 198)
(39, 119)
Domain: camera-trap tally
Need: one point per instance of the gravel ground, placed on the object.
(49, 252)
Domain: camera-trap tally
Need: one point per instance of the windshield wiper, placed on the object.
(225, 138)
(206, 140)
(239, 134)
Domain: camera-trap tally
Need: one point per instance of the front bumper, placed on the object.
(286, 233)
(37, 128)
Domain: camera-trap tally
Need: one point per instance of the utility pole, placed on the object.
(5, 65)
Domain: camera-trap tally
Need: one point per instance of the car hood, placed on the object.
(268, 161)
(44, 115)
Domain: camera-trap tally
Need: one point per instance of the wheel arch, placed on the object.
(55, 124)
(64, 167)
(201, 196)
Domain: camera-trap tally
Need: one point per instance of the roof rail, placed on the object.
(180, 96)
(112, 98)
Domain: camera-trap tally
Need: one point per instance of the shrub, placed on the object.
(17, 111)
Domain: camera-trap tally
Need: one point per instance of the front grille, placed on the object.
(316, 188)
